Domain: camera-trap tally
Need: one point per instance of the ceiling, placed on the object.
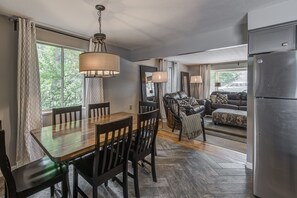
(136, 24)
(223, 55)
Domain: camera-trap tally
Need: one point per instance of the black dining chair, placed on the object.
(113, 141)
(144, 145)
(67, 114)
(99, 109)
(31, 178)
(147, 106)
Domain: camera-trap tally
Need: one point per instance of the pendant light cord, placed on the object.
(99, 20)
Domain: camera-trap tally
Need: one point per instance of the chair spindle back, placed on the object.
(117, 138)
(147, 129)
(99, 109)
(67, 114)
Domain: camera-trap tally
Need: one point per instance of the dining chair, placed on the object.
(99, 109)
(147, 106)
(113, 141)
(66, 114)
(31, 178)
(144, 145)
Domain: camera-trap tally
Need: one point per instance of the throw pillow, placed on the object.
(193, 101)
(183, 105)
(222, 99)
(213, 98)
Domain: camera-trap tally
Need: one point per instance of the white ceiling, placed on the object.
(223, 55)
(134, 24)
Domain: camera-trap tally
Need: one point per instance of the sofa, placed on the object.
(226, 100)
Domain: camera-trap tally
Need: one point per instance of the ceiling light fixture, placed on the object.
(99, 63)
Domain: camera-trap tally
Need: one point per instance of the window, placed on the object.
(232, 80)
(61, 83)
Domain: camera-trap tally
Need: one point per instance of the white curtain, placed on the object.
(204, 89)
(94, 86)
(176, 77)
(28, 93)
(162, 88)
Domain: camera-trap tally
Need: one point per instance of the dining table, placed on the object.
(68, 141)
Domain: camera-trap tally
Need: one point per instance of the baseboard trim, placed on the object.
(249, 165)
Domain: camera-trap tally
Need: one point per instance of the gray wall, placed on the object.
(229, 36)
(272, 15)
(8, 84)
(123, 91)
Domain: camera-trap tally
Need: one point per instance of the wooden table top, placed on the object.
(67, 141)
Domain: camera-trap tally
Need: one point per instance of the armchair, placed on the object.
(175, 103)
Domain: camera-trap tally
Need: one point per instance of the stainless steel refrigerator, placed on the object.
(275, 152)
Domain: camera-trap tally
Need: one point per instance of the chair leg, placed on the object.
(52, 191)
(95, 192)
(180, 134)
(65, 187)
(153, 165)
(135, 173)
(75, 183)
(5, 193)
(125, 181)
(203, 130)
(173, 127)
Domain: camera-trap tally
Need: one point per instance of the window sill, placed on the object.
(44, 113)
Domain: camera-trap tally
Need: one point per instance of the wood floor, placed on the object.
(186, 169)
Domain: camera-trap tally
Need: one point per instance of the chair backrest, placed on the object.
(116, 138)
(147, 129)
(5, 167)
(147, 106)
(99, 109)
(67, 114)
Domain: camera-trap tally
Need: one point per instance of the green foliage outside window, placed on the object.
(227, 77)
(61, 83)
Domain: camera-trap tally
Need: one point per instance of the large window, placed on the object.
(60, 81)
(232, 80)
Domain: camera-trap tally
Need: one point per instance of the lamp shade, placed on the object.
(217, 84)
(99, 64)
(159, 77)
(196, 79)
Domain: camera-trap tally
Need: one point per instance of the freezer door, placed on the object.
(276, 75)
(275, 154)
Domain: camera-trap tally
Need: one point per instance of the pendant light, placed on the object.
(99, 63)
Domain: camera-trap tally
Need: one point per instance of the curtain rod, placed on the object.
(15, 20)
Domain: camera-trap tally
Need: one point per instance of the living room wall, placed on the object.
(8, 84)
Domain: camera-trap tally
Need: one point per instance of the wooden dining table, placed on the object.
(68, 141)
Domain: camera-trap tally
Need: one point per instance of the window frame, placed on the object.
(46, 111)
(217, 71)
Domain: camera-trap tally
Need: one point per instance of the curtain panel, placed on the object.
(28, 93)
(204, 89)
(94, 86)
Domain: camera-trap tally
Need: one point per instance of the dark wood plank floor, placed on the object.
(186, 169)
